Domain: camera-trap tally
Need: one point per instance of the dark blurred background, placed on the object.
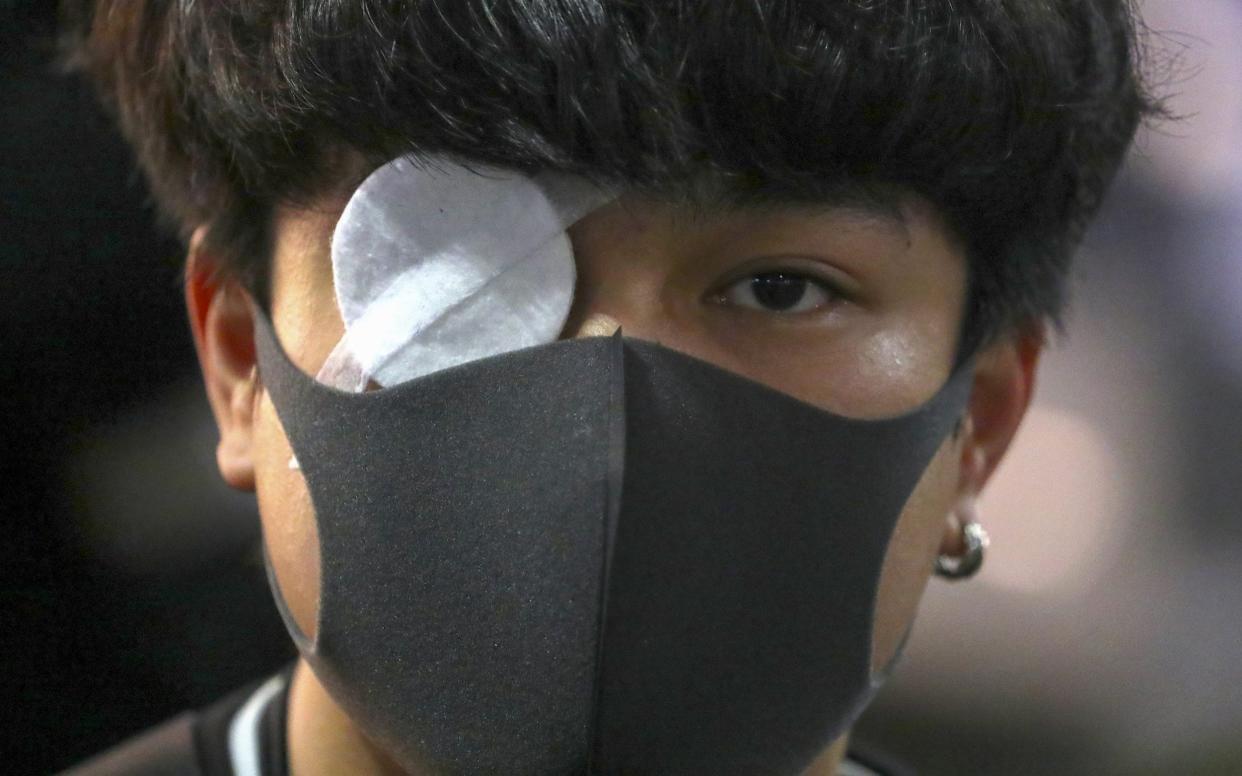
(129, 585)
(1104, 635)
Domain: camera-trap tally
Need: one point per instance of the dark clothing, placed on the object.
(241, 735)
(245, 735)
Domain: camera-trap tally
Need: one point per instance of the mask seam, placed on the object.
(613, 485)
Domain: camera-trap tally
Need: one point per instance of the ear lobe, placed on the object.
(1004, 382)
(223, 329)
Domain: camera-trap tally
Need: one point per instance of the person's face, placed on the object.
(855, 312)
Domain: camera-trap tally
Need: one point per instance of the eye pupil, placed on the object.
(778, 291)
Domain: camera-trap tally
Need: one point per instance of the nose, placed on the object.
(628, 298)
(635, 304)
(595, 325)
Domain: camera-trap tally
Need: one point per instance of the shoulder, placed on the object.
(242, 734)
(166, 750)
(863, 760)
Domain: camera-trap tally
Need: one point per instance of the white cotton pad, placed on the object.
(436, 265)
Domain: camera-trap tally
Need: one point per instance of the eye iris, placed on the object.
(778, 291)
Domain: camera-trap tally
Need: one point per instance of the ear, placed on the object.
(1004, 382)
(223, 328)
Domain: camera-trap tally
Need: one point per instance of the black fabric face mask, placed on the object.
(597, 556)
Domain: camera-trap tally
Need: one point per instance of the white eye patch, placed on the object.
(437, 265)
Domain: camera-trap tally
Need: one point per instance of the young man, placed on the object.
(868, 207)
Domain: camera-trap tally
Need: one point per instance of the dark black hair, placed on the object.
(1011, 116)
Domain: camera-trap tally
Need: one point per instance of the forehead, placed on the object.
(701, 200)
(905, 238)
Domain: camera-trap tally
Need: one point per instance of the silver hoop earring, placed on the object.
(976, 540)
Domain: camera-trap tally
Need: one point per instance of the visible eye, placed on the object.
(779, 292)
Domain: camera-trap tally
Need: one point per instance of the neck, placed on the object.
(829, 761)
(323, 740)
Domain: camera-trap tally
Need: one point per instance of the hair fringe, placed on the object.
(1011, 116)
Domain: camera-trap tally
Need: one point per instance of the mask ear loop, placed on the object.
(881, 675)
(305, 644)
(263, 329)
(958, 380)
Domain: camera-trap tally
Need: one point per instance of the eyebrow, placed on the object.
(881, 215)
(708, 199)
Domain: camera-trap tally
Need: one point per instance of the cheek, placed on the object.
(863, 366)
(306, 319)
(289, 528)
(897, 361)
(911, 554)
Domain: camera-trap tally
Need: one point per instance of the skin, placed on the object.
(873, 336)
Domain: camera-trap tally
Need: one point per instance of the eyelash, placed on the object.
(749, 292)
